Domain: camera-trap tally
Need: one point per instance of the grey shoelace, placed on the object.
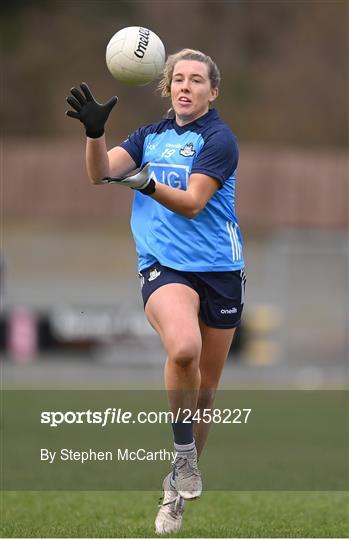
(178, 503)
(182, 461)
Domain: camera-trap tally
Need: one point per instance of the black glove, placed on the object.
(91, 113)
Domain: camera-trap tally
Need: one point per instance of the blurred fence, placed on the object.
(276, 187)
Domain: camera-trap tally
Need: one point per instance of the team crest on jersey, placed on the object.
(187, 150)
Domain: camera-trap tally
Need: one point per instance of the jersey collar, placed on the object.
(210, 115)
(202, 120)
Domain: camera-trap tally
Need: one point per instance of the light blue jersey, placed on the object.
(210, 242)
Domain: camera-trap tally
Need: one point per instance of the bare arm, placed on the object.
(101, 163)
(190, 202)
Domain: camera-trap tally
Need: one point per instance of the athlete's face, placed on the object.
(191, 91)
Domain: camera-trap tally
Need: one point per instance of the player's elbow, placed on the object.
(95, 180)
(192, 211)
(191, 206)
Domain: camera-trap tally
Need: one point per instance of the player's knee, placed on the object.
(185, 354)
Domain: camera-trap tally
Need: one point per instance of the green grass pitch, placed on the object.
(216, 514)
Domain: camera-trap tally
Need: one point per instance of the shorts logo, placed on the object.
(229, 311)
(153, 274)
(187, 150)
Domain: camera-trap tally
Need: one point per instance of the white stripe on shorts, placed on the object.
(243, 284)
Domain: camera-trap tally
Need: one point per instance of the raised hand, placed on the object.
(91, 113)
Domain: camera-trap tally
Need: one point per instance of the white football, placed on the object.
(135, 55)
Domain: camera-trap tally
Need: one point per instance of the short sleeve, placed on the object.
(218, 157)
(134, 145)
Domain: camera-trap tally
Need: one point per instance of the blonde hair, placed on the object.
(187, 54)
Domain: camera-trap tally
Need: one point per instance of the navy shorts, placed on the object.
(221, 293)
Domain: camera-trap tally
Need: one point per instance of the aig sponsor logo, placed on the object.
(176, 176)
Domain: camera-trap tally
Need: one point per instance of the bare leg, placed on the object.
(216, 343)
(172, 310)
(196, 353)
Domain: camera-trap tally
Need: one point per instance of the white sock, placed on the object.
(180, 448)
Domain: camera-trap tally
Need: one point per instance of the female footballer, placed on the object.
(188, 243)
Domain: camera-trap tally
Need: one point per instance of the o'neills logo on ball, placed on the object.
(143, 42)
